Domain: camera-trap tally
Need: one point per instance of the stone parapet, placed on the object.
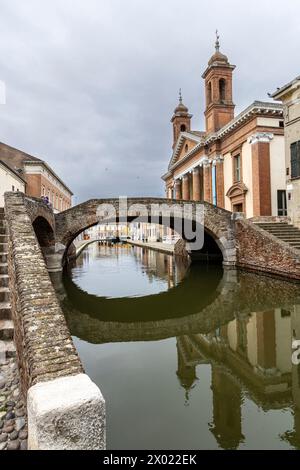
(45, 350)
(261, 251)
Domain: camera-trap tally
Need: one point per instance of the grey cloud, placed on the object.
(91, 85)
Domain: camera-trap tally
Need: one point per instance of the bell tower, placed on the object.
(181, 120)
(218, 90)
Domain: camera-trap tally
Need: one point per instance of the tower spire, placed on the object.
(217, 44)
(180, 96)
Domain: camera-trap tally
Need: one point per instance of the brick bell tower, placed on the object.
(218, 90)
(181, 120)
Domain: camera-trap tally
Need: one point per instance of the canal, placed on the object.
(187, 357)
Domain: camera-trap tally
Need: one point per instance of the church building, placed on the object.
(237, 162)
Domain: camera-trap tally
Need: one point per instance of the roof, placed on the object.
(15, 159)
(281, 91)
(201, 138)
(196, 136)
(16, 173)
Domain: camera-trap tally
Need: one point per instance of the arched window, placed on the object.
(186, 148)
(182, 128)
(209, 93)
(222, 89)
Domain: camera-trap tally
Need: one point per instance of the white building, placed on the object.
(9, 181)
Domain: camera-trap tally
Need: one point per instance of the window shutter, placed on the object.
(295, 159)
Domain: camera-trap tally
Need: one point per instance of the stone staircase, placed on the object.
(284, 231)
(7, 348)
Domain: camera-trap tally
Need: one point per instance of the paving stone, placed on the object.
(13, 445)
(3, 437)
(23, 445)
(8, 429)
(20, 423)
(3, 445)
(13, 435)
(23, 434)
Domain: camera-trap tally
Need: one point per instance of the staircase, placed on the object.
(284, 231)
(7, 348)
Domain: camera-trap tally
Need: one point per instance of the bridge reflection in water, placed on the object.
(229, 332)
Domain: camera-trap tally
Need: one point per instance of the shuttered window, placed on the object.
(295, 159)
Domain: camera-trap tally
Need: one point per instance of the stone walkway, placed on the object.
(157, 246)
(13, 422)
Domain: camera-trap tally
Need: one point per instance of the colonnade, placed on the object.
(205, 182)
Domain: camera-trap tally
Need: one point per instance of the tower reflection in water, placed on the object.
(250, 355)
(240, 324)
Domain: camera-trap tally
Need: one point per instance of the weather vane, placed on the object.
(217, 41)
(180, 96)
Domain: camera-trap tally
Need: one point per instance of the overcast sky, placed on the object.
(91, 85)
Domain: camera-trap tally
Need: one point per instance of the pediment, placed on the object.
(185, 144)
(237, 189)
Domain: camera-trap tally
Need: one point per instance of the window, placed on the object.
(12, 188)
(182, 128)
(237, 168)
(281, 123)
(186, 148)
(281, 202)
(209, 93)
(295, 159)
(222, 89)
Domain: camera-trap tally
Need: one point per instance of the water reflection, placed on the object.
(229, 351)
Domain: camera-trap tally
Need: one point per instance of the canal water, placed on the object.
(187, 357)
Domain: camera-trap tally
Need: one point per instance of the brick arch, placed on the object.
(44, 232)
(37, 208)
(218, 222)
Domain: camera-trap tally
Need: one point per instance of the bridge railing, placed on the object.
(65, 409)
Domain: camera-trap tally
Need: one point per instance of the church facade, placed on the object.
(237, 162)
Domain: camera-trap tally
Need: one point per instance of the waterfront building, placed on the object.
(10, 180)
(103, 231)
(39, 178)
(142, 231)
(289, 94)
(237, 162)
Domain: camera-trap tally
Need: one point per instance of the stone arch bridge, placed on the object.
(36, 239)
(238, 241)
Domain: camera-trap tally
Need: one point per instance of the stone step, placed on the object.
(274, 224)
(7, 350)
(3, 247)
(5, 311)
(4, 280)
(3, 257)
(4, 295)
(278, 226)
(288, 236)
(6, 330)
(3, 268)
(290, 230)
(283, 229)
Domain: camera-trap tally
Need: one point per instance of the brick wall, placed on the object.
(44, 345)
(260, 251)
